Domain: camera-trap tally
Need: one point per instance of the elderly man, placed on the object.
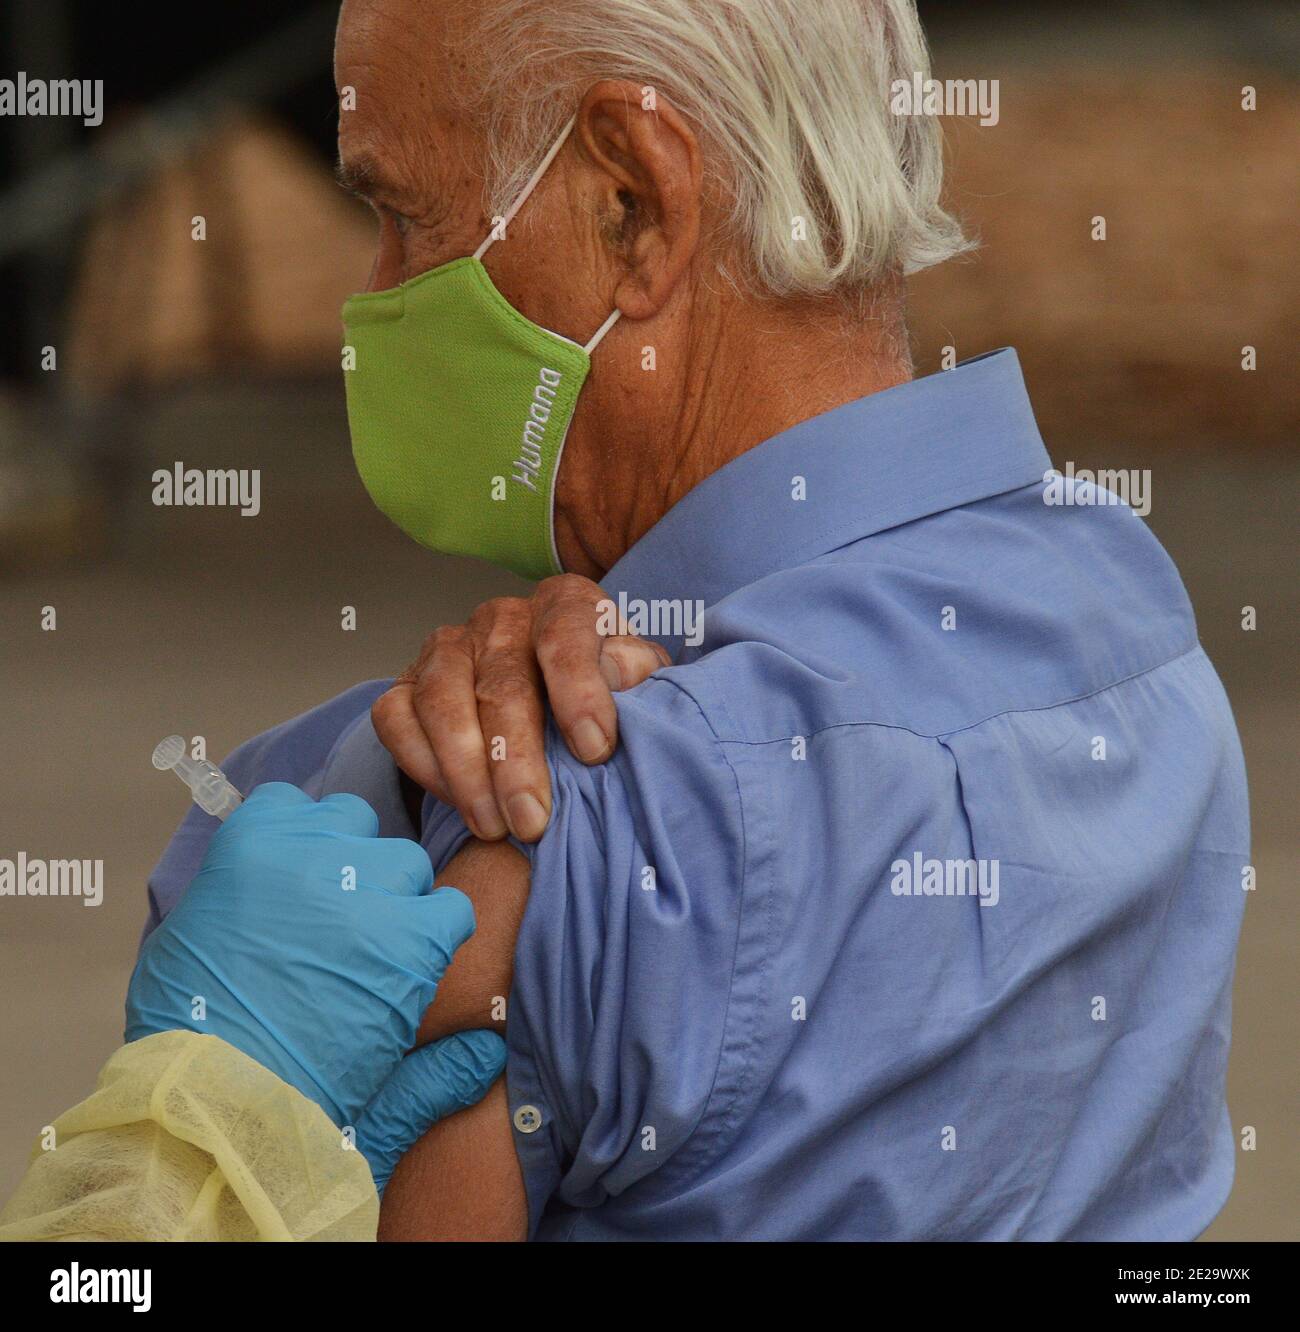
(903, 902)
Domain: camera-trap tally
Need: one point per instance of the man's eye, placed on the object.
(401, 223)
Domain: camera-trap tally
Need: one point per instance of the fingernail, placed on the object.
(609, 669)
(488, 822)
(526, 816)
(590, 742)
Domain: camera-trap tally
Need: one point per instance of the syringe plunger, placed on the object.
(212, 792)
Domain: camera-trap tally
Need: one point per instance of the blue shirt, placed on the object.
(907, 907)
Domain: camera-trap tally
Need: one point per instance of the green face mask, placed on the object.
(459, 408)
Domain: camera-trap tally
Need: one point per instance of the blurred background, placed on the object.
(224, 353)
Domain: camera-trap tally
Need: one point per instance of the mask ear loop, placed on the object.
(527, 190)
(512, 211)
(601, 331)
(492, 237)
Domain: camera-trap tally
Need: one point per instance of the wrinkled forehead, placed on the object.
(394, 66)
(390, 46)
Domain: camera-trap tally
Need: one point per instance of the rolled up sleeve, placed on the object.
(624, 961)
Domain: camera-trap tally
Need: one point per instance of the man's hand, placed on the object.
(466, 721)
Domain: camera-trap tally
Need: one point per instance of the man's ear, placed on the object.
(649, 161)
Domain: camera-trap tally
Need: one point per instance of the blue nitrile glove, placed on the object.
(429, 1084)
(314, 947)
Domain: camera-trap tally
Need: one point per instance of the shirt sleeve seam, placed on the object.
(967, 726)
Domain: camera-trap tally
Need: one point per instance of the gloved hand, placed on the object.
(314, 946)
(427, 1085)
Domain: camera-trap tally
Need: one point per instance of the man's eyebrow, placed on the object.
(363, 177)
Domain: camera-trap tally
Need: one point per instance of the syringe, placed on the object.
(212, 792)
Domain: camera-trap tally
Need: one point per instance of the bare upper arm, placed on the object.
(494, 876)
(462, 1180)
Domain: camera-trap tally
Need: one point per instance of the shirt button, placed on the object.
(528, 1119)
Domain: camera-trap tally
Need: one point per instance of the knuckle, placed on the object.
(568, 587)
(444, 638)
(512, 629)
(386, 709)
(497, 610)
(428, 649)
(504, 681)
(482, 615)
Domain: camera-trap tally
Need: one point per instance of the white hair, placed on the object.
(827, 191)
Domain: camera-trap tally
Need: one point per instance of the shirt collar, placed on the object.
(890, 458)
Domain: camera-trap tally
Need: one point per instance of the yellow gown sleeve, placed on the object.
(187, 1138)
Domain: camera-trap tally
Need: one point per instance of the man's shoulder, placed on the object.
(933, 627)
(299, 750)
